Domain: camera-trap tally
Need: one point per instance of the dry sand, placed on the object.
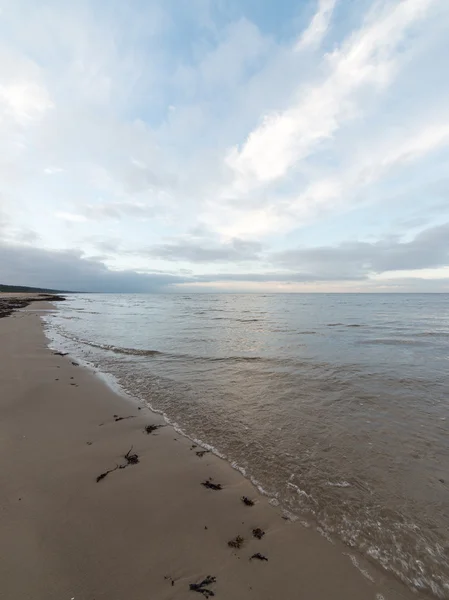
(145, 532)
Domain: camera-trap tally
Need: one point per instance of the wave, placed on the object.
(150, 352)
(247, 320)
(344, 325)
(393, 342)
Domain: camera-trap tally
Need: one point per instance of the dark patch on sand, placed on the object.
(201, 587)
(258, 556)
(237, 542)
(201, 453)
(131, 459)
(117, 418)
(247, 501)
(151, 428)
(212, 486)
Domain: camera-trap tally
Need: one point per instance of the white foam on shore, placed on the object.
(357, 565)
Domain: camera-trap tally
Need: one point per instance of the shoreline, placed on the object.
(149, 528)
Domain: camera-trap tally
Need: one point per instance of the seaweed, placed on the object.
(259, 556)
(151, 428)
(237, 542)
(247, 501)
(131, 459)
(106, 473)
(212, 486)
(201, 453)
(258, 533)
(201, 587)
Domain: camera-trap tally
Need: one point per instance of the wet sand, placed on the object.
(146, 530)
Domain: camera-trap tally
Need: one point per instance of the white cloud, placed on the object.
(367, 59)
(71, 217)
(53, 170)
(231, 128)
(318, 27)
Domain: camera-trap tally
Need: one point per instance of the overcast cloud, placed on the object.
(203, 145)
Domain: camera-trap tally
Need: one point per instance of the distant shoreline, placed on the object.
(12, 301)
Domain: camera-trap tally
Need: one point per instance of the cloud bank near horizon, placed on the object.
(203, 145)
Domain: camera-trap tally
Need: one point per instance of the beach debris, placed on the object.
(60, 353)
(201, 453)
(89, 443)
(117, 418)
(170, 578)
(212, 486)
(259, 556)
(441, 480)
(193, 446)
(237, 542)
(151, 428)
(72, 378)
(106, 473)
(131, 459)
(258, 533)
(247, 501)
(75, 364)
(201, 587)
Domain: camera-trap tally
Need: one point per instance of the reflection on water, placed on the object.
(335, 404)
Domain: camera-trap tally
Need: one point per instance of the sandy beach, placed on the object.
(149, 528)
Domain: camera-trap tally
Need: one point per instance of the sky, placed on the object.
(225, 145)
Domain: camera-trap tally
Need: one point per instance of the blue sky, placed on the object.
(226, 145)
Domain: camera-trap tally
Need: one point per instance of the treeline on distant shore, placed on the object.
(21, 289)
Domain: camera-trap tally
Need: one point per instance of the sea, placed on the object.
(336, 406)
